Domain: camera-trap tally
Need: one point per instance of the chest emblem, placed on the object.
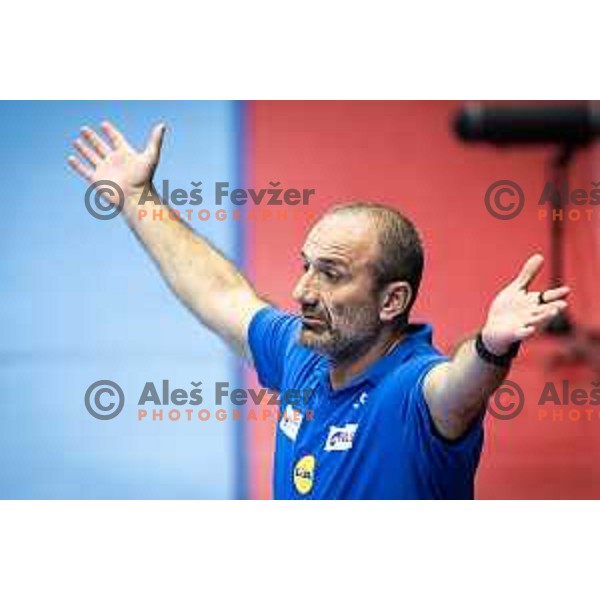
(304, 474)
(340, 438)
(290, 422)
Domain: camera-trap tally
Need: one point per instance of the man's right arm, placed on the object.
(205, 281)
(202, 278)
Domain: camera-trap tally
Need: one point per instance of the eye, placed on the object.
(331, 275)
(305, 266)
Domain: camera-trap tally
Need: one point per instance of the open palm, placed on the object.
(113, 159)
(516, 313)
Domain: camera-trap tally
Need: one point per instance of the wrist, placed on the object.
(145, 198)
(495, 354)
(492, 344)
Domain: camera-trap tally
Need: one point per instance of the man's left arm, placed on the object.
(456, 391)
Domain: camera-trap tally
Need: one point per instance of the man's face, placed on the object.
(336, 292)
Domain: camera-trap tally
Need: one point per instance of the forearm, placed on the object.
(210, 285)
(470, 380)
(456, 391)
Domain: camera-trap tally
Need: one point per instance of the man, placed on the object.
(390, 417)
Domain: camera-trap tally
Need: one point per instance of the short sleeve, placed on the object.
(270, 335)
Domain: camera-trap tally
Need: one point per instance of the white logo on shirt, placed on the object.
(340, 438)
(361, 401)
(290, 422)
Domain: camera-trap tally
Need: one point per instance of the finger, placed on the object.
(556, 293)
(95, 141)
(558, 305)
(541, 319)
(84, 171)
(114, 135)
(551, 307)
(547, 314)
(531, 268)
(87, 152)
(155, 142)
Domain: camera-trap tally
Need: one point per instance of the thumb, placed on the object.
(155, 142)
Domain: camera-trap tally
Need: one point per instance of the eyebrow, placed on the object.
(333, 262)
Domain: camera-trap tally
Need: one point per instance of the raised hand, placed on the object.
(516, 313)
(113, 159)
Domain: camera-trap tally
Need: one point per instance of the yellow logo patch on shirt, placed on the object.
(304, 474)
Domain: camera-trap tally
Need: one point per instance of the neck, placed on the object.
(344, 370)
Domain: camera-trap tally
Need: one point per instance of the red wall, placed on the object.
(403, 153)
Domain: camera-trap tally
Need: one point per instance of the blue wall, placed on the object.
(80, 301)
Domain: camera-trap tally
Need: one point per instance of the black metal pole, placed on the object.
(559, 175)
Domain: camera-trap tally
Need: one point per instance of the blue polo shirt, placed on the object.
(373, 438)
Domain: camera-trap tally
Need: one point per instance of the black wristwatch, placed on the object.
(503, 360)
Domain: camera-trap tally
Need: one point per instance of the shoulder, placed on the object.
(411, 374)
(400, 381)
(270, 321)
(419, 355)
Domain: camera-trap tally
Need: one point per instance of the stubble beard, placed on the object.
(354, 331)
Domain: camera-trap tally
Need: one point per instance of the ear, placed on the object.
(395, 298)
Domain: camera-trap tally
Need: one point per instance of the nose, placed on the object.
(305, 292)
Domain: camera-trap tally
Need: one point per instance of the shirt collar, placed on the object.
(417, 333)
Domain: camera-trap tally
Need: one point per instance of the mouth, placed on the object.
(312, 322)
